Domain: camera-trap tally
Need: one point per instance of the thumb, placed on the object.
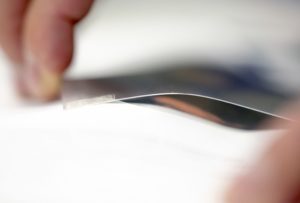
(276, 177)
(48, 44)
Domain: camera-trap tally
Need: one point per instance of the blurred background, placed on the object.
(119, 33)
(265, 33)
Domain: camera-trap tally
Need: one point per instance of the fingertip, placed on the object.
(45, 86)
(41, 83)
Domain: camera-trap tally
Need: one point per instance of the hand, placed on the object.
(275, 178)
(37, 36)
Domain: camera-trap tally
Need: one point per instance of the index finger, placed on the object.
(49, 33)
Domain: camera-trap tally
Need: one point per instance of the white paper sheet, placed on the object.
(118, 153)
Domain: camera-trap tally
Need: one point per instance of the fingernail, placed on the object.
(41, 83)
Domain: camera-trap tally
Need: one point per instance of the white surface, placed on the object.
(114, 152)
(118, 153)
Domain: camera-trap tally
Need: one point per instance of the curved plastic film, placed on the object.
(239, 100)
